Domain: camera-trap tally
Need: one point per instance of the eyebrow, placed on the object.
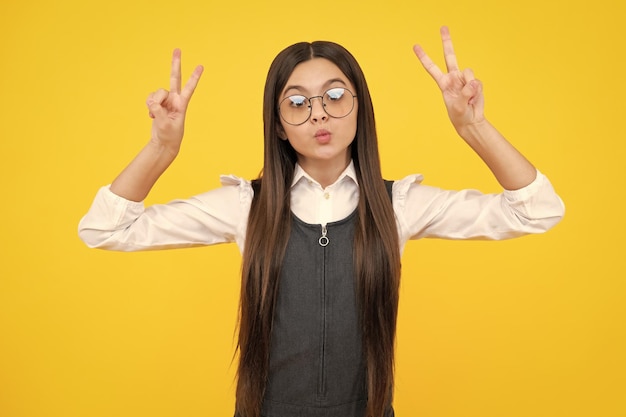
(326, 84)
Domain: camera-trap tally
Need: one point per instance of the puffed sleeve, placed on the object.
(217, 216)
(425, 211)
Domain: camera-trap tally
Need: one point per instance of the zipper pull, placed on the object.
(323, 241)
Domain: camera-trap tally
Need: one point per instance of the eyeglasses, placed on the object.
(337, 102)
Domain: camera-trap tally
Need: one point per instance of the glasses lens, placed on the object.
(295, 110)
(338, 102)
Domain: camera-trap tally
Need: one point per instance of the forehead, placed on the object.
(314, 75)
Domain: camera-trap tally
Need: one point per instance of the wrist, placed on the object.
(474, 131)
(166, 151)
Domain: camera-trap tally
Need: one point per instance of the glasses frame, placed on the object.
(310, 106)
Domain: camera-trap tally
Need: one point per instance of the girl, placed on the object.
(320, 232)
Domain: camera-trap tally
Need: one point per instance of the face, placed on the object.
(323, 141)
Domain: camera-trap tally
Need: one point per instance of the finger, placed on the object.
(191, 84)
(469, 86)
(448, 50)
(471, 92)
(468, 75)
(149, 102)
(155, 103)
(427, 63)
(476, 88)
(175, 74)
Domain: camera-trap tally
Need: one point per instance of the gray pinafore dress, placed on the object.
(316, 362)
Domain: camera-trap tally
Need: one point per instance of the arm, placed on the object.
(464, 100)
(216, 216)
(117, 220)
(167, 109)
(428, 212)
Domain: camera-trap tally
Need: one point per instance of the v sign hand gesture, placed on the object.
(168, 108)
(463, 96)
(462, 93)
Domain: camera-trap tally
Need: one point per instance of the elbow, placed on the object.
(90, 236)
(543, 217)
(557, 213)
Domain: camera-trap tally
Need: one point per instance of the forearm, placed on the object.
(137, 179)
(167, 109)
(512, 170)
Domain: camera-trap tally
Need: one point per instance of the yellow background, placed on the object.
(529, 327)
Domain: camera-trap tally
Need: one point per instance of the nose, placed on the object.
(318, 113)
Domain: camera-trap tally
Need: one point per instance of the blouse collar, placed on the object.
(300, 174)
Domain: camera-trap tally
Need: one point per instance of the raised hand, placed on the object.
(462, 93)
(168, 108)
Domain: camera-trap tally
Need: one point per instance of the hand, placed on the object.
(462, 93)
(168, 108)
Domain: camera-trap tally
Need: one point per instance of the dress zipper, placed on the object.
(324, 239)
(321, 389)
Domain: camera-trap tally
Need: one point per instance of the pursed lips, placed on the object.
(322, 136)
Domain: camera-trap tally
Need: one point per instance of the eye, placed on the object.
(335, 94)
(296, 101)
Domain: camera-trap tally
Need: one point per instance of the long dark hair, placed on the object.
(376, 247)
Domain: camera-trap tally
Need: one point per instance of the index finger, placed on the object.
(175, 73)
(428, 63)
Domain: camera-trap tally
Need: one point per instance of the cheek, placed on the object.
(353, 124)
(288, 132)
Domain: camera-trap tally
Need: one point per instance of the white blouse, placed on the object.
(221, 215)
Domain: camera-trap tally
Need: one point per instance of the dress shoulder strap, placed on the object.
(389, 187)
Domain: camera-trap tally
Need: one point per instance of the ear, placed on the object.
(280, 132)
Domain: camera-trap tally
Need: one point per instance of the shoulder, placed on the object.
(234, 185)
(400, 188)
(234, 194)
